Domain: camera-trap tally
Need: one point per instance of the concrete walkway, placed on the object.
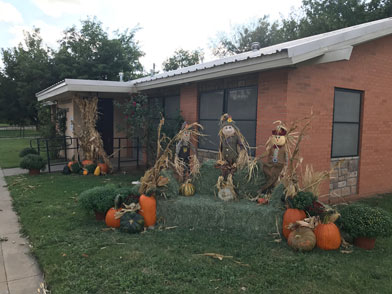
(19, 272)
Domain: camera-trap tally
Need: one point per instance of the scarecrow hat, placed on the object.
(226, 120)
(184, 125)
(279, 131)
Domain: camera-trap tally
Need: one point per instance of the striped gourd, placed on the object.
(187, 189)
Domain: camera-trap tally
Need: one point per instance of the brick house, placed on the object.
(344, 76)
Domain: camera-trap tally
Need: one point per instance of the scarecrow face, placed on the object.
(228, 131)
(278, 140)
(186, 136)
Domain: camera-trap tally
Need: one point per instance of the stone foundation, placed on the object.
(344, 178)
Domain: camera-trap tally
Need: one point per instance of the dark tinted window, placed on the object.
(346, 123)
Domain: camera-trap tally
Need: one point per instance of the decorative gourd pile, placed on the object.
(132, 218)
(85, 167)
(303, 233)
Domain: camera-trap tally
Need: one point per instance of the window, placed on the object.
(346, 123)
(170, 106)
(240, 103)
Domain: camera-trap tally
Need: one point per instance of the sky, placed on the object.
(165, 26)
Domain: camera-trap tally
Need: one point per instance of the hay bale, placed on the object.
(172, 187)
(205, 182)
(208, 212)
(249, 189)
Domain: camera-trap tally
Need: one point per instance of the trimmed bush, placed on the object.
(26, 151)
(363, 221)
(32, 161)
(101, 198)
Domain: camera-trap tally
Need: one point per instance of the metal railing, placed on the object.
(57, 150)
(18, 132)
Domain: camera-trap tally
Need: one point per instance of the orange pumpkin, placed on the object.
(87, 162)
(85, 172)
(148, 209)
(104, 168)
(327, 236)
(110, 220)
(291, 216)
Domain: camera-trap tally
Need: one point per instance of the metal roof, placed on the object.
(297, 50)
(332, 46)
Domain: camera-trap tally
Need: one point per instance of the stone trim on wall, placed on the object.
(204, 154)
(344, 177)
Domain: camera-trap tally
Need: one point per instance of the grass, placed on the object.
(78, 254)
(9, 151)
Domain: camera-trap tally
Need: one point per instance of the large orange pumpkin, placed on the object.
(148, 209)
(104, 168)
(110, 220)
(87, 162)
(327, 236)
(291, 216)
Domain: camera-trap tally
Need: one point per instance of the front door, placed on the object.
(105, 123)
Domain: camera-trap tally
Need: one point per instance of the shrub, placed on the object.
(302, 200)
(32, 161)
(101, 198)
(363, 221)
(26, 151)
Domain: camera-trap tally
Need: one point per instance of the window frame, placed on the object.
(224, 110)
(345, 122)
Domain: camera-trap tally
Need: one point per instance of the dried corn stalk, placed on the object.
(89, 138)
(152, 180)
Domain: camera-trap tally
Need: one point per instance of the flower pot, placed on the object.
(365, 243)
(34, 172)
(99, 216)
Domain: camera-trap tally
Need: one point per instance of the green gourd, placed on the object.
(132, 222)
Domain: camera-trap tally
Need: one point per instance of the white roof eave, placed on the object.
(74, 85)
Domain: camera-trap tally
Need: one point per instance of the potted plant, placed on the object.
(100, 199)
(365, 224)
(26, 151)
(33, 162)
(296, 209)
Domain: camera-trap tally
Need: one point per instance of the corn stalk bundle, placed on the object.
(152, 178)
(90, 139)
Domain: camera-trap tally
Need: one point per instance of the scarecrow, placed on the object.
(276, 157)
(183, 158)
(232, 155)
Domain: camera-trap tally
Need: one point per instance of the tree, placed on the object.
(242, 36)
(182, 58)
(88, 53)
(314, 17)
(27, 70)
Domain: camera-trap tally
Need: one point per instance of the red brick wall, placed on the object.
(271, 104)
(369, 70)
(188, 103)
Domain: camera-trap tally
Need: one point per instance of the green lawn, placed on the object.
(78, 255)
(9, 151)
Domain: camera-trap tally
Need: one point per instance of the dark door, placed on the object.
(105, 123)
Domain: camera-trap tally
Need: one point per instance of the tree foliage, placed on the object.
(182, 58)
(88, 53)
(314, 17)
(27, 70)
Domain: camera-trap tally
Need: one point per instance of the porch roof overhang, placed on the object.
(66, 87)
